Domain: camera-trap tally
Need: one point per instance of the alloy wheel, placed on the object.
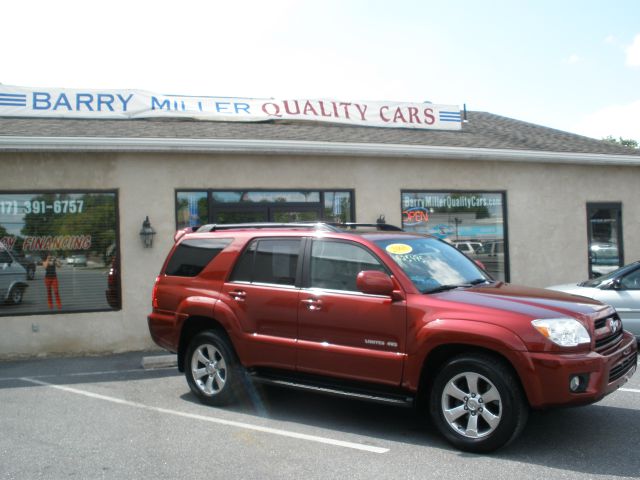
(471, 405)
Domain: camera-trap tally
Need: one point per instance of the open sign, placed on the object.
(414, 216)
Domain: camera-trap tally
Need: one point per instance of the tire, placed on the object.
(15, 295)
(212, 369)
(477, 403)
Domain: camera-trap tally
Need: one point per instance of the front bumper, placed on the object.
(606, 373)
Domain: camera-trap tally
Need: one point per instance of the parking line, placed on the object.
(230, 423)
(634, 390)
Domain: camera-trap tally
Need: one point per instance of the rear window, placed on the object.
(192, 256)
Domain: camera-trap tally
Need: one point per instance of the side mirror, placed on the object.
(373, 282)
(615, 284)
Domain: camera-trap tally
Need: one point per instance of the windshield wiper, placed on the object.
(444, 288)
(478, 281)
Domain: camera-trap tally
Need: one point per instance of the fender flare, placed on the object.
(474, 334)
(209, 308)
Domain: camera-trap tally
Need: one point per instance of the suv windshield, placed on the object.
(432, 265)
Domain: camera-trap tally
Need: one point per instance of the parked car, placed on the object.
(469, 248)
(13, 278)
(620, 289)
(28, 262)
(492, 257)
(388, 316)
(77, 260)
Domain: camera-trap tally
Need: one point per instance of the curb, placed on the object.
(159, 361)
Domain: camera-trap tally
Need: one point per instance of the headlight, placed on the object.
(566, 332)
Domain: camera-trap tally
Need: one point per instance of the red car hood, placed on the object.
(525, 301)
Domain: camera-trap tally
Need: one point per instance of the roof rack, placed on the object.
(322, 226)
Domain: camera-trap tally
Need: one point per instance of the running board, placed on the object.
(335, 390)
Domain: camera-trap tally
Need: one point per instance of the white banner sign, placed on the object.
(129, 104)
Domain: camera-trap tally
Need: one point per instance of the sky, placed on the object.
(573, 65)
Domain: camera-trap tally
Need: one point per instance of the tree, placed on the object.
(626, 142)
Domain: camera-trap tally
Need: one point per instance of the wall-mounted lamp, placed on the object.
(146, 233)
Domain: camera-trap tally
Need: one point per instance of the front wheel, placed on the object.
(212, 369)
(15, 295)
(477, 403)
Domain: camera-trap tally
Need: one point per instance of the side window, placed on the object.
(631, 281)
(273, 261)
(192, 256)
(335, 265)
(5, 257)
(244, 268)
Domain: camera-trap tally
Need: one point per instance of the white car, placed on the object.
(470, 248)
(620, 289)
(13, 278)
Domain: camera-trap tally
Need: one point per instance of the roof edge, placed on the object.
(303, 148)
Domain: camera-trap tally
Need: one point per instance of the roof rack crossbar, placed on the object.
(379, 226)
(213, 227)
(323, 226)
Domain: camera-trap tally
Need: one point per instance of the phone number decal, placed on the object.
(37, 207)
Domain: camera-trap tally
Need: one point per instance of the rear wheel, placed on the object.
(477, 403)
(212, 369)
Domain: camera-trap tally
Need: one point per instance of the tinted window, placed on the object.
(191, 256)
(269, 261)
(276, 261)
(335, 265)
(631, 281)
(5, 258)
(244, 268)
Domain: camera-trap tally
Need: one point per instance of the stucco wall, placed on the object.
(546, 218)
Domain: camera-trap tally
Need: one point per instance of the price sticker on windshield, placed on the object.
(399, 248)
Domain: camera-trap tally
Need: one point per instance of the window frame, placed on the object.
(255, 241)
(308, 256)
(592, 206)
(218, 207)
(117, 251)
(505, 215)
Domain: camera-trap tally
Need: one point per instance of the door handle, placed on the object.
(238, 295)
(312, 303)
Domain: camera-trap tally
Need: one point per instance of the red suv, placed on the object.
(382, 315)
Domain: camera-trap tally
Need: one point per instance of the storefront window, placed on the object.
(192, 209)
(240, 206)
(58, 252)
(605, 238)
(474, 222)
(337, 206)
(266, 197)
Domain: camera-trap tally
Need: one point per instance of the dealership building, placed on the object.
(82, 171)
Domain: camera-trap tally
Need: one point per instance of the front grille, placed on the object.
(601, 323)
(606, 343)
(623, 367)
(607, 340)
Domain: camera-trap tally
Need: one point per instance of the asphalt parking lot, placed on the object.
(107, 417)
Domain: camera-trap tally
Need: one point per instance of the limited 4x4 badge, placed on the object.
(381, 343)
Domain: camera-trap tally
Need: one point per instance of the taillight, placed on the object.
(154, 294)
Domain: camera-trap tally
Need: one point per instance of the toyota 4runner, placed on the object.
(382, 315)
